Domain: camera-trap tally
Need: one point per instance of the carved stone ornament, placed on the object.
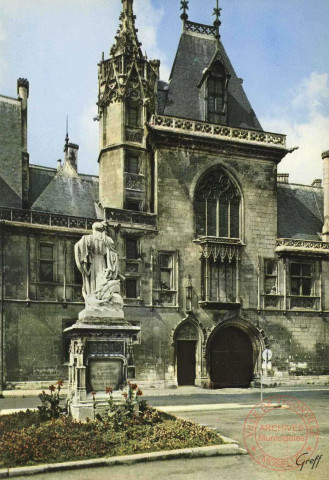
(213, 130)
(187, 332)
(220, 248)
(216, 184)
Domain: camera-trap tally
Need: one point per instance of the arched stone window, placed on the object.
(217, 206)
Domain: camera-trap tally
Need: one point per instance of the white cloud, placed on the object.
(313, 92)
(305, 121)
(148, 22)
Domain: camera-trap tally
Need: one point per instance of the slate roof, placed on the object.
(75, 196)
(8, 198)
(195, 53)
(300, 211)
(40, 177)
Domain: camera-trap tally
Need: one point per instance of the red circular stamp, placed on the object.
(280, 433)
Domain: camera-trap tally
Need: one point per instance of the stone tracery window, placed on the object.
(217, 206)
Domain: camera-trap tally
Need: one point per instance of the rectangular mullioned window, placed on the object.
(133, 116)
(132, 164)
(271, 277)
(46, 262)
(301, 279)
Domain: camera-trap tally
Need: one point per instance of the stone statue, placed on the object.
(97, 261)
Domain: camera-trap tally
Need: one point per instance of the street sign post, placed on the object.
(266, 357)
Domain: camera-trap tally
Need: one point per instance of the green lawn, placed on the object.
(27, 440)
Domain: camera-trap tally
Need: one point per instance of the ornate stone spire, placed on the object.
(126, 41)
(217, 22)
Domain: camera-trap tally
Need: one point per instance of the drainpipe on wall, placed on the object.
(325, 230)
(2, 227)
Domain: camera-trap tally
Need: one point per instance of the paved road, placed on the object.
(230, 423)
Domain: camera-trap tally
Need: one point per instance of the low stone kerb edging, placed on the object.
(211, 451)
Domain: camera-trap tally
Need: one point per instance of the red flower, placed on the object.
(52, 388)
(125, 395)
(60, 383)
(134, 386)
(93, 393)
(109, 389)
(139, 392)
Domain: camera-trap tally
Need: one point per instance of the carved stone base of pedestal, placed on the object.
(113, 313)
(101, 352)
(81, 410)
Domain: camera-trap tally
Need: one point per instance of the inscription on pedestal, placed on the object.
(104, 372)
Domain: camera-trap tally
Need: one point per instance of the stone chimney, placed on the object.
(283, 177)
(317, 183)
(23, 95)
(71, 155)
(325, 230)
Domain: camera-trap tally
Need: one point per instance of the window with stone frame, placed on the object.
(132, 248)
(270, 277)
(216, 91)
(46, 262)
(301, 278)
(134, 204)
(132, 287)
(132, 164)
(219, 280)
(166, 271)
(132, 264)
(165, 291)
(133, 115)
(217, 206)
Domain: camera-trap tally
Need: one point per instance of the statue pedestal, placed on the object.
(100, 356)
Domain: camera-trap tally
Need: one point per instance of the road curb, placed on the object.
(211, 451)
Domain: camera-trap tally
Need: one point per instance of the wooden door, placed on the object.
(186, 362)
(231, 358)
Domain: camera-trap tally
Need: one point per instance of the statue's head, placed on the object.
(98, 227)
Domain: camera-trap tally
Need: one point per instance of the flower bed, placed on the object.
(31, 438)
(63, 439)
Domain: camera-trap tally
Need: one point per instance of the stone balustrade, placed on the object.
(44, 218)
(163, 122)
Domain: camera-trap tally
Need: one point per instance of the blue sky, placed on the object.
(279, 47)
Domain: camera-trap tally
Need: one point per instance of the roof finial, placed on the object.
(184, 7)
(217, 22)
(67, 130)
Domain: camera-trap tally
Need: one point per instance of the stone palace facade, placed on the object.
(221, 256)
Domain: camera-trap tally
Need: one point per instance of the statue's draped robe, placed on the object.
(93, 256)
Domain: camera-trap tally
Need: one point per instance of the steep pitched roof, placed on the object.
(196, 53)
(67, 195)
(40, 177)
(300, 211)
(8, 198)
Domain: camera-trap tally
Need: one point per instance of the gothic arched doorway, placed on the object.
(186, 349)
(231, 358)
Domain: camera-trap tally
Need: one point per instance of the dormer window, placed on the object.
(216, 94)
(215, 102)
